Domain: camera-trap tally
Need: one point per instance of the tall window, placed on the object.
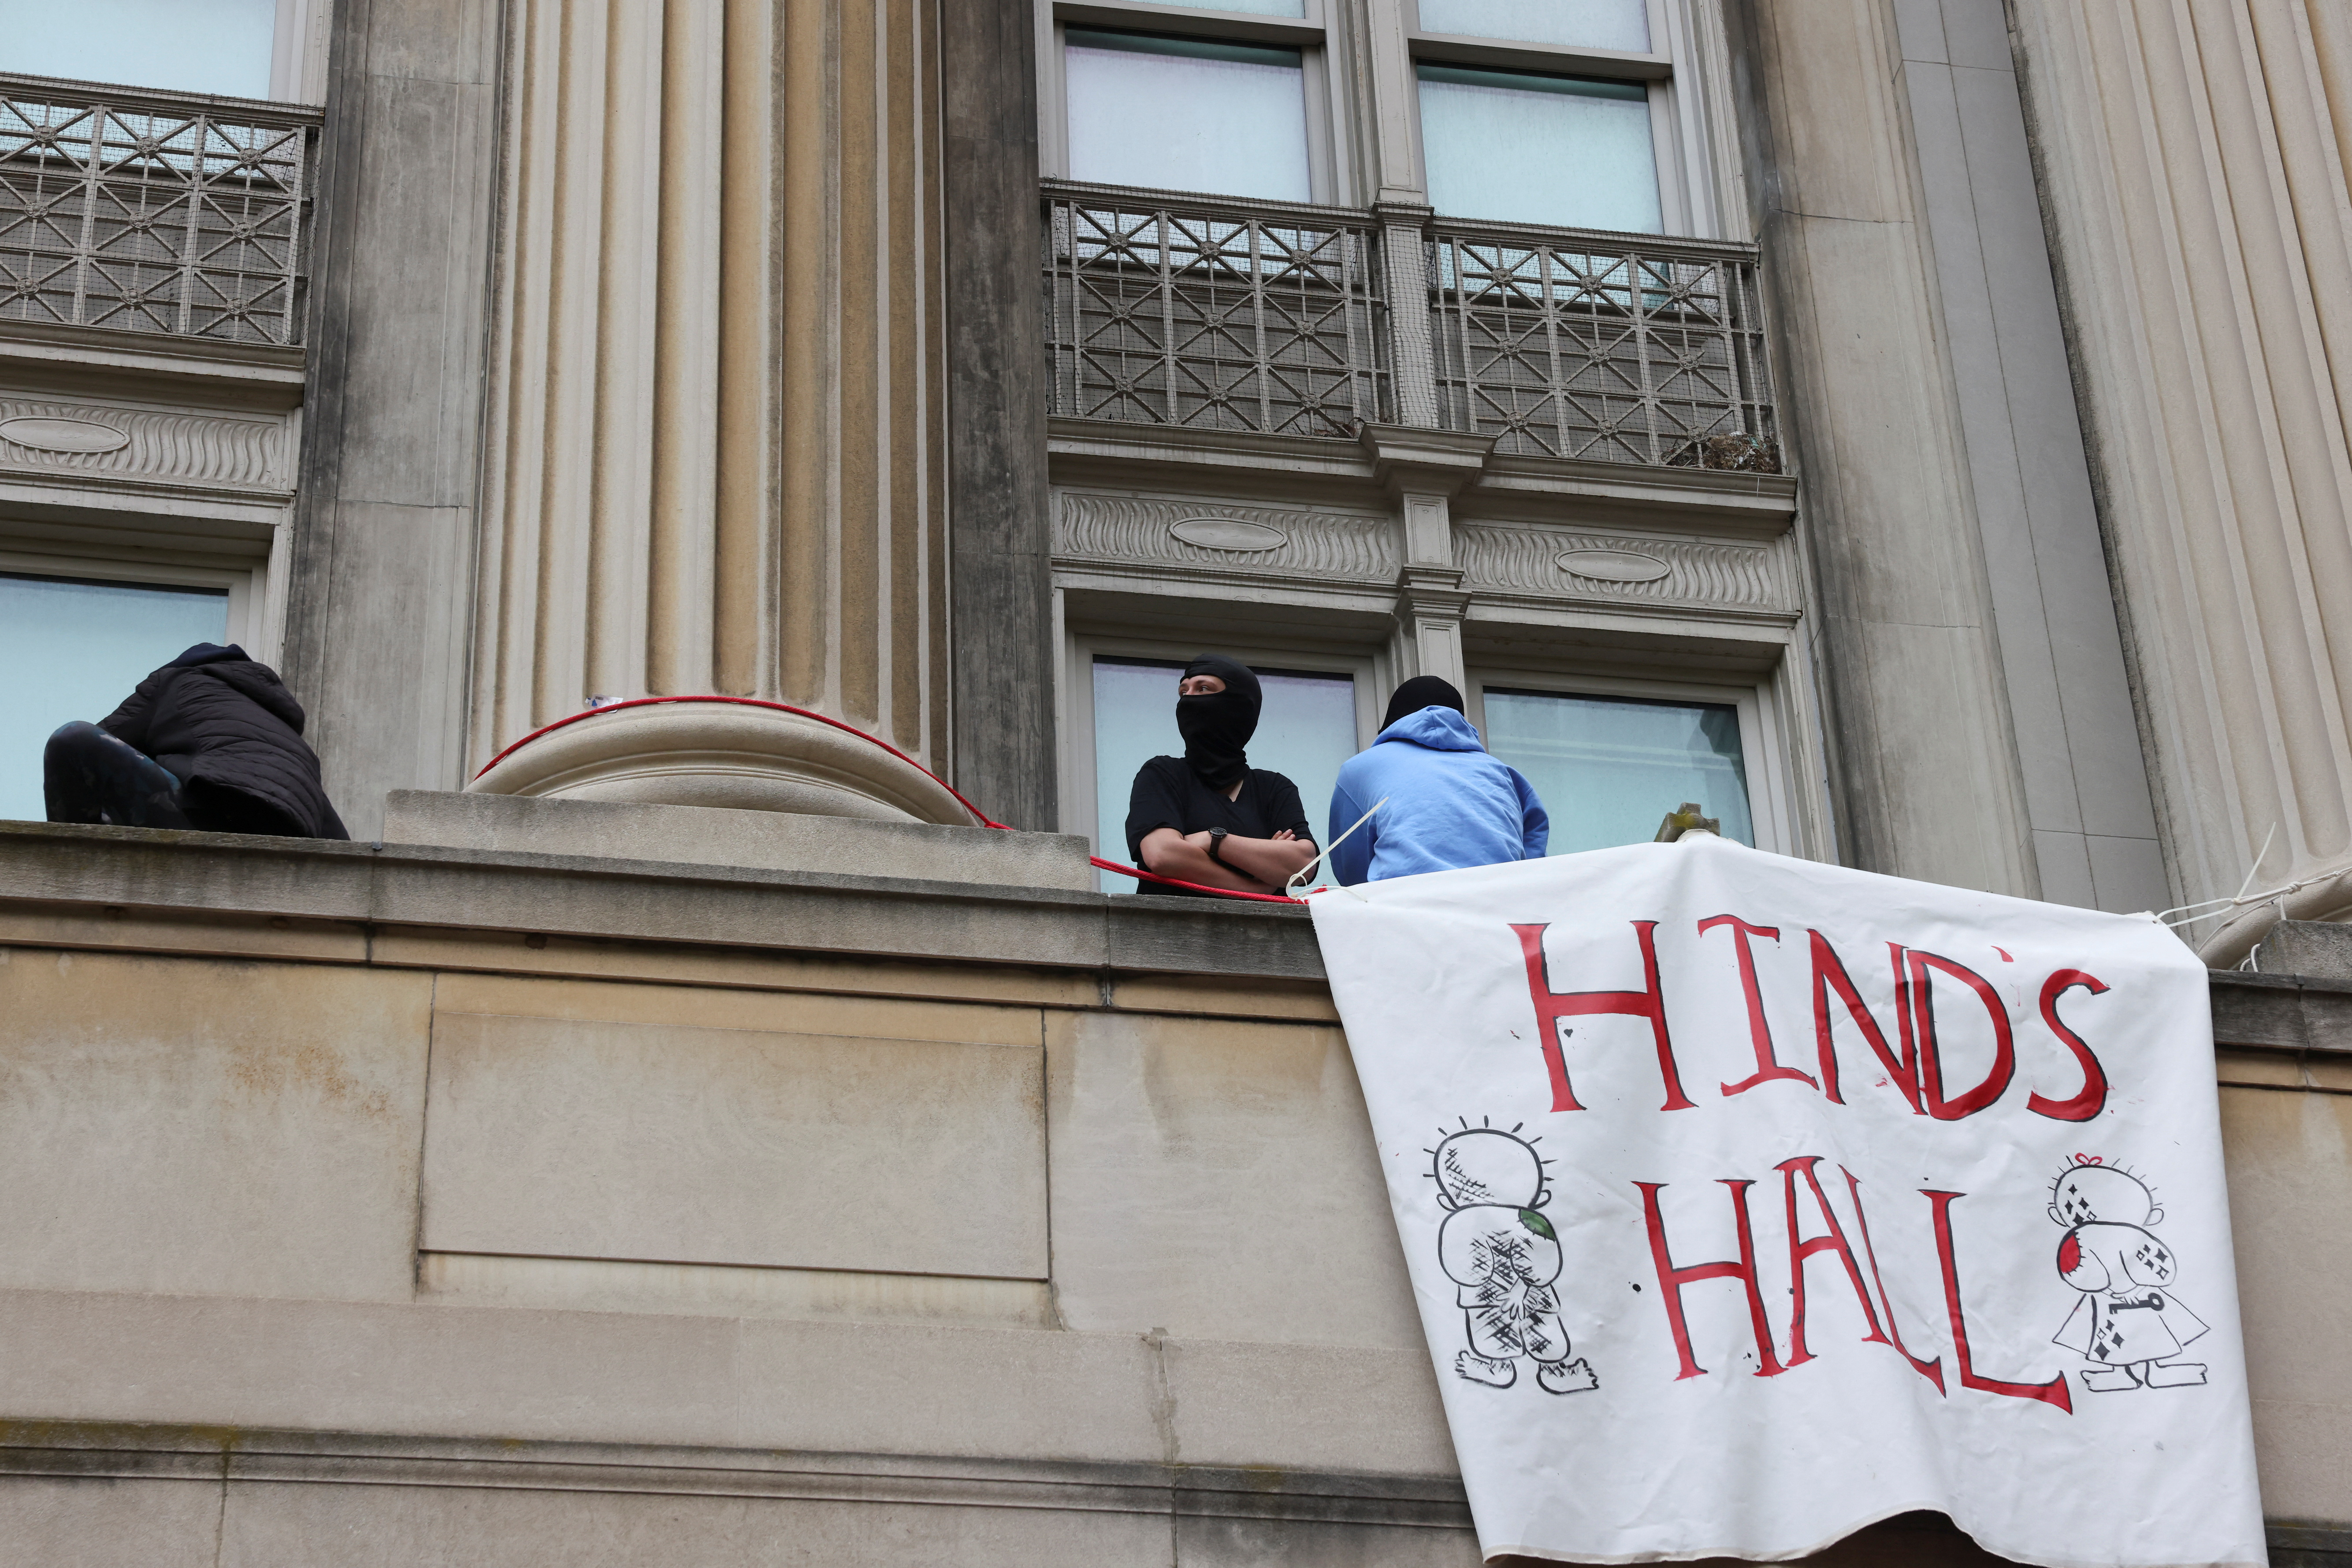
(1564, 113)
(1186, 114)
(1514, 147)
(1609, 768)
(1618, 24)
(1307, 729)
(75, 650)
(225, 47)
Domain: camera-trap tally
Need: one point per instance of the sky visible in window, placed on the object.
(1186, 114)
(181, 46)
(1620, 25)
(1513, 148)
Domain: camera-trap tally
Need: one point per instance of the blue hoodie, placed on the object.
(1449, 804)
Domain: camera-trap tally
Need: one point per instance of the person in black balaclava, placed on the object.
(1208, 816)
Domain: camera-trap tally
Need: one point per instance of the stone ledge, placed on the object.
(591, 896)
(191, 1453)
(68, 866)
(719, 836)
(2281, 1013)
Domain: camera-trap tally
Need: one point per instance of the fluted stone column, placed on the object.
(2194, 155)
(717, 423)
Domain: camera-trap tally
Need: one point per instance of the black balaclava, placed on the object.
(1217, 728)
(1422, 691)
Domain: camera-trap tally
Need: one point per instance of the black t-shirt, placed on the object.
(1169, 793)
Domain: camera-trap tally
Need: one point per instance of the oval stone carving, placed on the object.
(51, 434)
(1229, 533)
(1614, 565)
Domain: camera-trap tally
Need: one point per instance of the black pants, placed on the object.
(88, 775)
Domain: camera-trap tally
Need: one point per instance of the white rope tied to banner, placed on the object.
(1309, 870)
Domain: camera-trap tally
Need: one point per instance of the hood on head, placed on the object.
(1438, 729)
(259, 684)
(1421, 692)
(206, 653)
(1217, 728)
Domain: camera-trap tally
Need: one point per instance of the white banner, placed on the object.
(1748, 1201)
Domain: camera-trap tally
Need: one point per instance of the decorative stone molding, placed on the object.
(1326, 546)
(151, 445)
(727, 754)
(1546, 561)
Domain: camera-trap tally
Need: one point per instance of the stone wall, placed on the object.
(409, 1204)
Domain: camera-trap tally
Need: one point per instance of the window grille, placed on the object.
(1165, 308)
(1169, 309)
(144, 212)
(1617, 347)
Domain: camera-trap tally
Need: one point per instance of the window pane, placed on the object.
(189, 46)
(1253, 7)
(1609, 769)
(1185, 114)
(1514, 148)
(1307, 729)
(74, 650)
(1623, 24)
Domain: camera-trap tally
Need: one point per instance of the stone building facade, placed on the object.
(678, 1131)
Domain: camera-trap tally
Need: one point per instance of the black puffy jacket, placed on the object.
(231, 733)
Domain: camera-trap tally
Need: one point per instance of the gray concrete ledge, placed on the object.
(603, 896)
(114, 1451)
(2281, 1013)
(599, 896)
(760, 841)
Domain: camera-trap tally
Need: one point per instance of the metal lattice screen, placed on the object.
(1165, 308)
(144, 214)
(1628, 352)
(1206, 315)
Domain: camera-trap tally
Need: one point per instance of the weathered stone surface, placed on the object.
(1170, 1134)
(580, 1138)
(2319, 950)
(197, 1127)
(770, 840)
(149, 870)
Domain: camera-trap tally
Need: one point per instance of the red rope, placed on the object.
(983, 817)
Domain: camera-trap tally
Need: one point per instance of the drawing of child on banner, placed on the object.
(1503, 1257)
(2129, 1319)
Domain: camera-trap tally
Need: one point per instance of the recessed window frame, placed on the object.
(1330, 179)
(1763, 746)
(1080, 784)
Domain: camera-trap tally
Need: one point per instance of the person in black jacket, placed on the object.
(212, 741)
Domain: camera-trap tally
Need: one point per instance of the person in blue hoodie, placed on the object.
(1449, 805)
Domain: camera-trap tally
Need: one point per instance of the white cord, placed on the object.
(1309, 870)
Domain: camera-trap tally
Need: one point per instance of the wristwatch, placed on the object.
(1217, 836)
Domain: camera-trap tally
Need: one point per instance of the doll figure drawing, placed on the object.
(2129, 1324)
(1505, 1259)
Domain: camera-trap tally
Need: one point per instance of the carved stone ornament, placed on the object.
(54, 435)
(1229, 533)
(723, 754)
(1614, 565)
(1146, 530)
